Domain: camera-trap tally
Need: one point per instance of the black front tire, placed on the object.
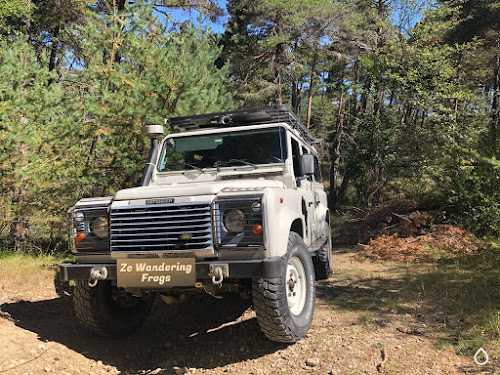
(323, 261)
(280, 318)
(108, 311)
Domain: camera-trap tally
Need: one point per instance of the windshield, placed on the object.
(247, 147)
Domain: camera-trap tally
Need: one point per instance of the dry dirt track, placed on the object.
(361, 313)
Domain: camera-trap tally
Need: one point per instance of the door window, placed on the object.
(296, 158)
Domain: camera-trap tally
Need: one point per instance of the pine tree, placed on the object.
(34, 161)
(65, 136)
(137, 72)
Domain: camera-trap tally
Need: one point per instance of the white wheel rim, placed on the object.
(295, 285)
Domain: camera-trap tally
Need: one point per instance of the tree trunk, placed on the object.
(19, 226)
(295, 89)
(311, 87)
(295, 105)
(495, 110)
(353, 105)
(459, 80)
(337, 141)
(377, 103)
(377, 100)
(19, 232)
(27, 21)
(277, 75)
(364, 95)
(343, 186)
(53, 49)
(276, 60)
(120, 7)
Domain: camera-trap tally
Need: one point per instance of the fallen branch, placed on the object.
(23, 363)
(383, 354)
(404, 217)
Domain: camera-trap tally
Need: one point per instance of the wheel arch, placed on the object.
(288, 221)
(283, 215)
(297, 227)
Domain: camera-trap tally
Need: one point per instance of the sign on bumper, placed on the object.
(156, 273)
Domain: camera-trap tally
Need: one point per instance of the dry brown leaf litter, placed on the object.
(399, 231)
(436, 242)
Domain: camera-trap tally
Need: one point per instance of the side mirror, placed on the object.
(307, 164)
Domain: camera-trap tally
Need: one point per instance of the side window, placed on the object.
(295, 158)
(317, 170)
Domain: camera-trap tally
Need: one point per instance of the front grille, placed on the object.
(159, 227)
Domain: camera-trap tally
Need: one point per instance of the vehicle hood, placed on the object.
(194, 189)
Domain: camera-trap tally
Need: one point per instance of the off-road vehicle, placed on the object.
(228, 202)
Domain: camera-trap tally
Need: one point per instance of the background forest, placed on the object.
(404, 94)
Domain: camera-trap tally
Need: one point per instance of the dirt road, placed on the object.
(366, 322)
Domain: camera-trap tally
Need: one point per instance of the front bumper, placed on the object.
(238, 269)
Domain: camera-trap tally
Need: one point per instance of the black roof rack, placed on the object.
(249, 116)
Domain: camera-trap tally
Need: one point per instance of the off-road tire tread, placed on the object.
(322, 265)
(84, 299)
(92, 314)
(271, 306)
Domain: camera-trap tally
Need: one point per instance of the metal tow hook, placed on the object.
(218, 276)
(96, 274)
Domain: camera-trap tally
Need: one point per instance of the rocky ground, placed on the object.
(367, 321)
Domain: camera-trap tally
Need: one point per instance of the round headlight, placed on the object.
(99, 227)
(235, 221)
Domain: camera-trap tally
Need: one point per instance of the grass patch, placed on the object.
(345, 231)
(373, 289)
(394, 368)
(436, 253)
(24, 267)
(457, 299)
(367, 319)
(464, 295)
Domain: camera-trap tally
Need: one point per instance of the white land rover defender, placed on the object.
(228, 202)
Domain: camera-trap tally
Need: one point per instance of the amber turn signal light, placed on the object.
(79, 237)
(257, 229)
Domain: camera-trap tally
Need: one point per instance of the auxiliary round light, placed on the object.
(235, 220)
(79, 217)
(256, 206)
(79, 237)
(99, 227)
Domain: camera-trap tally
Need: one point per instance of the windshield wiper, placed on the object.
(225, 163)
(194, 167)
